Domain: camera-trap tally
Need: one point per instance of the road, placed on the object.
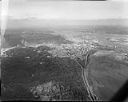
(84, 70)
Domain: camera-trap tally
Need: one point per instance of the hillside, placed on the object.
(43, 73)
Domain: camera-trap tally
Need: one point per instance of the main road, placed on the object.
(84, 71)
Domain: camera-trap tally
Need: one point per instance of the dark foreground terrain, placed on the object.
(34, 74)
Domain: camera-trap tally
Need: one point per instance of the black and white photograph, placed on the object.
(64, 50)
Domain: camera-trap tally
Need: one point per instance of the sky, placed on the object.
(71, 10)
